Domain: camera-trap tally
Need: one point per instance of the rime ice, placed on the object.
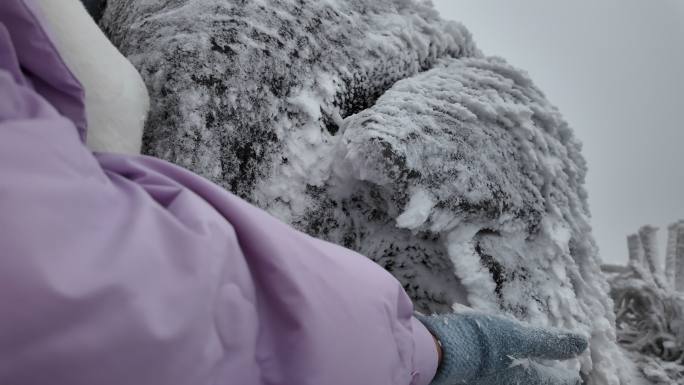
(379, 126)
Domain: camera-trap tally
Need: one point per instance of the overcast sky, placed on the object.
(615, 68)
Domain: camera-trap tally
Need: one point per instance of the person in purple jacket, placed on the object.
(123, 269)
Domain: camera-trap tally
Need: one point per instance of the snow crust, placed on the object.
(381, 127)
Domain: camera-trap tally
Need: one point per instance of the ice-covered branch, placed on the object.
(679, 258)
(649, 311)
(649, 240)
(636, 250)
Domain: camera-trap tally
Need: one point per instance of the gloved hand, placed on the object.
(480, 349)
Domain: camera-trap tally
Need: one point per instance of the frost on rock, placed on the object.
(251, 93)
(475, 143)
(381, 127)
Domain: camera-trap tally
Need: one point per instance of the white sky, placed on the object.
(615, 68)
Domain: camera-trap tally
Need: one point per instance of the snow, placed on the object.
(417, 211)
(116, 101)
(381, 127)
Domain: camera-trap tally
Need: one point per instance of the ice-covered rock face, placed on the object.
(377, 125)
(471, 152)
(250, 90)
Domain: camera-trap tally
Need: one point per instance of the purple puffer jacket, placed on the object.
(129, 270)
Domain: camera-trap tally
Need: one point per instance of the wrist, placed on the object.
(462, 348)
(438, 346)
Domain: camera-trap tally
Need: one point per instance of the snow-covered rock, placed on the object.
(248, 91)
(379, 126)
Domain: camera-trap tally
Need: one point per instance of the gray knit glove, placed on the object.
(480, 349)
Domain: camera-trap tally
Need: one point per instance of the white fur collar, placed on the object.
(117, 101)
